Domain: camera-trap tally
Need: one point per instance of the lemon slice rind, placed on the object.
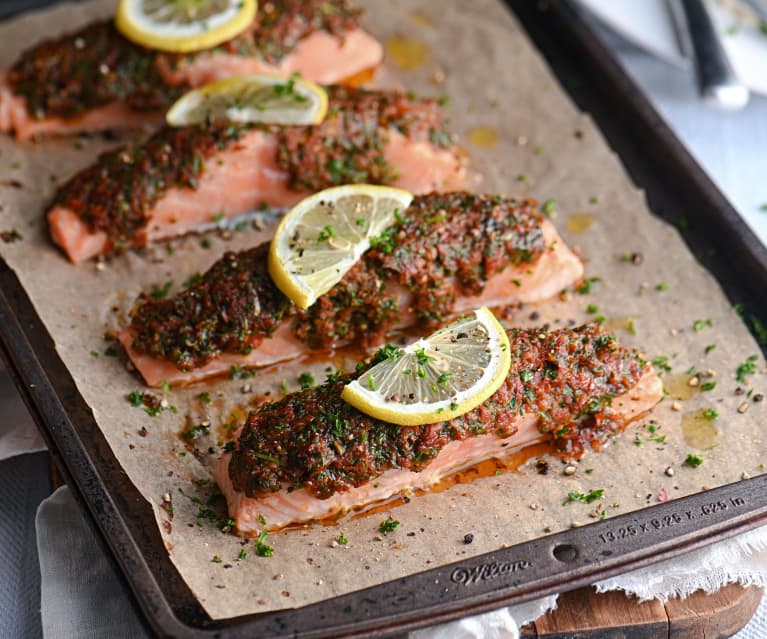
(324, 235)
(259, 98)
(437, 378)
(159, 24)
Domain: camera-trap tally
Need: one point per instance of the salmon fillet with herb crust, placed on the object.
(184, 178)
(446, 254)
(95, 79)
(312, 456)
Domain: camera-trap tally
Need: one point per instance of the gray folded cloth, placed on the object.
(22, 491)
(81, 596)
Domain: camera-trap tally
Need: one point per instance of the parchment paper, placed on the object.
(494, 78)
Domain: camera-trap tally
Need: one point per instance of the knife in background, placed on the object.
(718, 84)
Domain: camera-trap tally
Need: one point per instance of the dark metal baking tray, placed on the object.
(675, 186)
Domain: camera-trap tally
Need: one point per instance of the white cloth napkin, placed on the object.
(82, 597)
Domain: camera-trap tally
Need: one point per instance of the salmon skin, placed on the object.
(446, 254)
(312, 456)
(96, 79)
(183, 178)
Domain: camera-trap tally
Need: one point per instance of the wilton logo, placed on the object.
(483, 572)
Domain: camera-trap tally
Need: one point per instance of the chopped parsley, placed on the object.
(326, 233)
(746, 368)
(592, 308)
(663, 286)
(205, 397)
(342, 539)
(709, 348)
(388, 525)
(242, 555)
(549, 206)
(760, 329)
(193, 279)
(587, 498)
(587, 285)
(699, 325)
(262, 548)
(708, 386)
(384, 242)
(238, 372)
(158, 292)
(710, 414)
(306, 380)
(217, 560)
(660, 362)
(388, 351)
(693, 461)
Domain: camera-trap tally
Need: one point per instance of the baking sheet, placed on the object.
(544, 148)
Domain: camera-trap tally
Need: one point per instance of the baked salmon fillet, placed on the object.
(312, 456)
(184, 178)
(446, 254)
(95, 79)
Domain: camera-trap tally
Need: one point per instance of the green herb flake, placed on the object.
(746, 368)
(242, 555)
(388, 351)
(710, 414)
(709, 348)
(262, 548)
(306, 380)
(549, 206)
(342, 539)
(699, 325)
(592, 308)
(663, 286)
(693, 461)
(388, 525)
(708, 386)
(760, 329)
(326, 233)
(217, 560)
(587, 285)
(587, 498)
(660, 362)
(205, 397)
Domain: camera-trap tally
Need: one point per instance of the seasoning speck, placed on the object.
(743, 408)
(468, 538)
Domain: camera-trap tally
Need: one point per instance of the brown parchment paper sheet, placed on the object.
(494, 78)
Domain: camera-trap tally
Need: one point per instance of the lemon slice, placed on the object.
(322, 237)
(264, 98)
(182, 26)
(438, 377)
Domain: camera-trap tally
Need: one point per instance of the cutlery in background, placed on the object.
(719, 86)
